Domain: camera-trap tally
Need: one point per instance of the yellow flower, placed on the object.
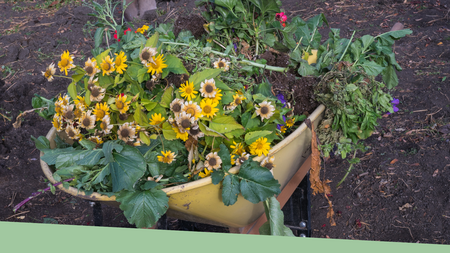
(107, 65)
(208, 88)
(142, 29)
(105, 125)
(193, 109)
(64, 100)
(79, 110)
(167, 157)
(59, 108)
(156, 119)
(66, 62)
(90, 66)
(121, 58)
(57, 123)
(268, 162)
(283, 129)
(212, 161)
(183, 136)
(238, 148)
(121, 104)
(187, 91)
(80, 100)
(265, 110)
(237, 99)
(68, 114)
(147, 55)
(260, 146)
(184, 120)
(205, 173)
(87, 120)
(290, 122)
(73, 132)
(208, 108)
(177, 106)
(233, 161)
(157, 65)
(222, 63)
(49, 72)
(101, 110)
(95, 139)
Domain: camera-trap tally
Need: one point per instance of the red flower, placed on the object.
(115, 35)
(125, 32)
(283, 24)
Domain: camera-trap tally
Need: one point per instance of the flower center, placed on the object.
(237, 101)
(95, 92)
(68, 115)
(242, 160)
(106, 66)
(64, 63)
(194, 131)
(268, 166)
(212, 161)
(221, 64)
(71, 133)
(191, 111)
(123, 116)
(207, 109)
(167, 159)
(119, 105)
(188, 90)
(89, 70)
(146, 55)
(86, 122)
(185, 123)
(100, 114)
(118, 61)
(48, 73)
(125, 133)
(260, 145)
(103, 125)
(264, 110)
(176, 108)
(209, 88)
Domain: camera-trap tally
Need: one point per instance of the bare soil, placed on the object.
(399, 192)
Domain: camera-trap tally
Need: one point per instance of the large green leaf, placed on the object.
(128, 167)
(98, 37)
(51, 155)
(199, 77)
(217, 176)
(89, 157)
(224, 124)
(227, 3)
(152, 41)
(168, 132)
(224, 155)
(108, 148)
(143, 208)
(140, 117)
(167, 97)
(72, 89)
(257, 183)
(253, 136)
(275, 220)
(390, 77)
(230, 190)
(174, 65)
(41, 142)
(208, 131)
(372, 68)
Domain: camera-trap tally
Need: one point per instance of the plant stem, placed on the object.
(35, 194)
(349, 42)
(348, 171)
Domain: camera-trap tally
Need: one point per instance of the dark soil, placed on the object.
(399, 192)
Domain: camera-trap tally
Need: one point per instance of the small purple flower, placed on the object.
(235, 46)
(280, 97)
(394, 102)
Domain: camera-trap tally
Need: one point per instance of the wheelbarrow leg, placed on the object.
(98, 214)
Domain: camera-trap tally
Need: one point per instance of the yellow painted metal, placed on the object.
(201, 201)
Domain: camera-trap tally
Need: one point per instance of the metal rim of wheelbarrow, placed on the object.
(174, 189)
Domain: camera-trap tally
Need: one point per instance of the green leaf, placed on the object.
(174, 65)
(108, 148)
(264, 89)
(168, 132)
(143, 208)
(148, 104)
(153, 168)
(167, 97)
(269, 39)
(128, 167)
(140, 117)
(51, 155)
(87, 144)
(152, 41)
(221, 85)
(217, 176)
(208, 131)
(367, 40)
(88, 157)
(99, 58)
(144, 138)
(227, 3)
(105, 172)
(224, 124)
(372, 68)
(275, 219)
(42, 143)
(257, 183)
(224, 155)
(199, 77)
(98, 37)
(306, 70)
(230, 190)
(253, 136)
(72, 89)
(390, 77)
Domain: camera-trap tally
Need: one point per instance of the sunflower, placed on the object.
(222, 63)
(156, 119)
(181, 135)
(87, 120)
(97, 93)
(90, 66)
(268, 162)
(265, 110)
(68, 114)
(66, 62)
(59, 106)
(238, 98)
(57, 123)
(49, 72)
(184, 120)
(217, 97)
(126, 132)
(260, 146)
(142, 29)
(238, 148)
(195, 132)
(73, 132)
(167, 157)
(105, 125)
(233, 161)
(121, 58)
(204, 173)
(187, 90)
(208, 108)
(80, 100)
(283, 129)
(242, 158)
(290, 122)
(147, 55)
(212, 161)
(230, 107)
(208, 88)
(177, 106)
(157, 65)
(79, 110)
(64, 100)
(193, 109)
(101, 110)
(96, 139)
(121, 103)
(107, 65)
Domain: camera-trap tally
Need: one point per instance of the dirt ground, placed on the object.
(399, 192)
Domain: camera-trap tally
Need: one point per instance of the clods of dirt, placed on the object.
(193, 23)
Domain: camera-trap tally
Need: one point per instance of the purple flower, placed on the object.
(394, 102)
(235, 46)
(280, 97)
(280, 125)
